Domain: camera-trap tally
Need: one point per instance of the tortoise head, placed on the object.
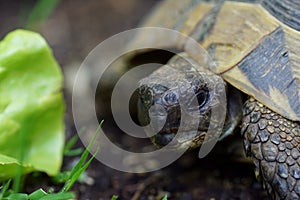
(177, 100)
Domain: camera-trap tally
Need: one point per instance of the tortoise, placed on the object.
(255, 46)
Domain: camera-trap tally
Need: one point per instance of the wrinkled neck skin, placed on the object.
(179, 97)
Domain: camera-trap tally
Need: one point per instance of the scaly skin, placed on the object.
(273, 143)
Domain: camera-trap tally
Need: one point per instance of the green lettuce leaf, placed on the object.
(31, 106)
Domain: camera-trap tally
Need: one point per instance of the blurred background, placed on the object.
(73, 28)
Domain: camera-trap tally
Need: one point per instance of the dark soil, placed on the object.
(73, 30)
(218, 176)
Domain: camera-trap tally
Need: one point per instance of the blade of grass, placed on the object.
(5, 188)
(71, 143)
(85, 153)
(18, 196)
(61, 177)
(18, 181)
(68, 151)
(114, 197)
(80, 162)
(78, 173)
(80, 166)
(37, 194)
(60, 196)
(73, 152)
(40, 12)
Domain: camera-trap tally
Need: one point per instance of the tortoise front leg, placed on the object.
(273, 143)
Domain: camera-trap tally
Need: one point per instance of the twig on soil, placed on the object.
(141, 187)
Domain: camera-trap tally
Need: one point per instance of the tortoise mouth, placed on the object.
(185, 139)
(177, 133)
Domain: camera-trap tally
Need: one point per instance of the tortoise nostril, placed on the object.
(171, 98)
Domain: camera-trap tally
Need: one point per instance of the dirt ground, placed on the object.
(73, 30)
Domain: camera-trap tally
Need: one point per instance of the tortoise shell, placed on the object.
(255, 45)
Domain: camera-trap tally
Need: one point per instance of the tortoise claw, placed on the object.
(273, 143)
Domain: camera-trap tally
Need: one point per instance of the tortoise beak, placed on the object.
(165, 126)
(163, 139)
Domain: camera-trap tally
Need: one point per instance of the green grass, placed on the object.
(12, 187)
(69, 178)
(68, 149)
(114, 197)
(40, 13)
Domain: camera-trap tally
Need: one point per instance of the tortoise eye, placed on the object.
(202, 96)
(198, 101)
